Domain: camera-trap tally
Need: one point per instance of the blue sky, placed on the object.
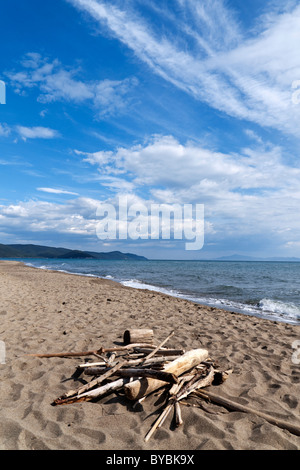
(168, 102)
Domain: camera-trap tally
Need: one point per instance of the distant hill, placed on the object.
(251, 258)
(39, 251)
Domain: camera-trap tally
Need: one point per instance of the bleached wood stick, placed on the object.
(91, 352)
(127, 347)
(159, 346)
(93, 383)
(178, 417)
(66, 354)
(158, 422)
(144, 386)
(162, 417)
(92, 364)
(92, 394)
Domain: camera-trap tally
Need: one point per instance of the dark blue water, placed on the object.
(265, 289)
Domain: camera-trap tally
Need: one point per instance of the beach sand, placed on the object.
(45, 311)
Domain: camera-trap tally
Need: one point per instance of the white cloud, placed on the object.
(4, 130)
(246, 78)
(163, 161)
(56, 191)
(110, 95)
(244, 195)
(36, 132)
(252, 192)
(77, 216)
(56, 83)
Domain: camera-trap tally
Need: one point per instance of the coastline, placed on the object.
(234, 288)
(48, 311)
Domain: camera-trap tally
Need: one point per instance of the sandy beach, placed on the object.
(45, 311)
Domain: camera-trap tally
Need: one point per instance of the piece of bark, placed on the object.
(229, 404)
(144, 386)
(130, 372)
(145, 335)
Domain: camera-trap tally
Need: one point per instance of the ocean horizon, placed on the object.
(264, 289)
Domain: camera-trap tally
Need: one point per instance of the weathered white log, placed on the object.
(138, 336)
(144, 386)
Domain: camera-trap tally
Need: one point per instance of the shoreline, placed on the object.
(231, 307)
(50, 311)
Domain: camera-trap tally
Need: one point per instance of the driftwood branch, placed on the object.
(229, 404)
(195, 383)
(92, 394)
(67, 354)
(162, 351)
(95, 351)
(129, 372)
(93, 383)
(176, 393)
(131, 362)
(152, 353)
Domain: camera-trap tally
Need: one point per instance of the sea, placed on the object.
(269, 290)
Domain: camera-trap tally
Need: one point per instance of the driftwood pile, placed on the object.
(140, 368)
